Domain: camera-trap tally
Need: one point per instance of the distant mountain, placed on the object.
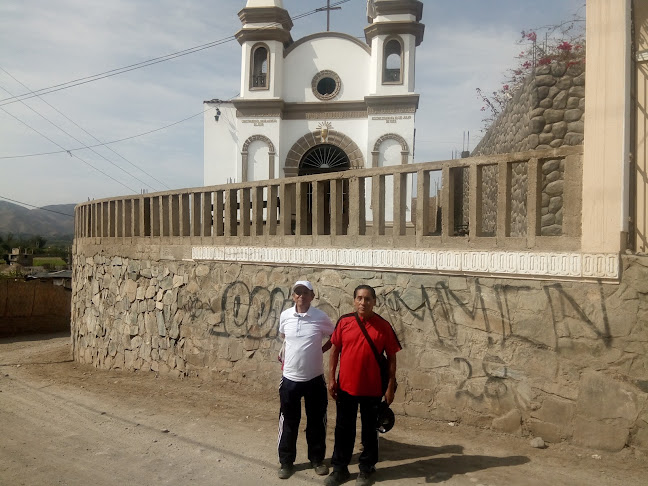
(56, 220)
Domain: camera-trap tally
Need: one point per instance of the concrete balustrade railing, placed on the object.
(355, 208)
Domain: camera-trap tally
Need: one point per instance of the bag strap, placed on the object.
(368, 338)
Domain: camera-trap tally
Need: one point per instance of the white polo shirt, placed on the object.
(304, 333)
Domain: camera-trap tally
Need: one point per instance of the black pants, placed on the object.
(345, 431)
(315, 401)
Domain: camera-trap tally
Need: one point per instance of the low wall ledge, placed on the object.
(509, 264)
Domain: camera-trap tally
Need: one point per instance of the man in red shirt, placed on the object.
(359, 384)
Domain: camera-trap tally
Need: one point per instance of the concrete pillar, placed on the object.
(641, 145)
(607, 129)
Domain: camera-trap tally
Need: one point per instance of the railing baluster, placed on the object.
(400, 204)
(185, 214)
(301, 209)
(257, 211)
(286, 191)
(447, 203)
(337, 207)
(245, 211)
(572, 196)
(272, 210)
(112, 219)
(219, 217)
(206, 211)
(422, 217)
(503, 200)
(319, 218)
(378, 204)
(534, 198)
(475, 201)
(130, 219)
(196, 214)
(231, 221)
(357, 223)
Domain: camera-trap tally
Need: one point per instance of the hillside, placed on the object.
(31, 222)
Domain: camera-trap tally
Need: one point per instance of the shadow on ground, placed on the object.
(436, 469)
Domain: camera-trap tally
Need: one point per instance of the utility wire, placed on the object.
(69, 152)
(32, 206)
(142, 64)
(105, 143)
(76, 139)
(84, 130)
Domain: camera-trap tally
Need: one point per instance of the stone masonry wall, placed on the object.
(562, 360)
(546, 112)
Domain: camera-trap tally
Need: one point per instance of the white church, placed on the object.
(327, 102)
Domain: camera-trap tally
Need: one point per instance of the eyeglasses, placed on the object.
(301, 291)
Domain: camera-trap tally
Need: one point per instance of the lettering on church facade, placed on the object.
(391, 119)
(259, 123)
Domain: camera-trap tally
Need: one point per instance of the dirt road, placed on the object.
(62, 423)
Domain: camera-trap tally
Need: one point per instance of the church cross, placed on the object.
(328, 9)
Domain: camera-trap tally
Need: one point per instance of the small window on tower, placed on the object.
(259, 67)
(393, 59)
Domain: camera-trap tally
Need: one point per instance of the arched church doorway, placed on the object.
(323, 159)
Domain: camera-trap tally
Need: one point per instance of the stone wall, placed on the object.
(547, 111)
(562, 360)
(33, 307)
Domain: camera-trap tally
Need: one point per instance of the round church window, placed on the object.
(326, 85)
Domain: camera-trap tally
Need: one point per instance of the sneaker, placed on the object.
(338, 476)
(364, 479)
(320, 468)
(285, 471)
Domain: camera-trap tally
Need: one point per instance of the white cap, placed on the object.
(303, 283)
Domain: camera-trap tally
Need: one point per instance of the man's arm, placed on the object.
(333, 363)
(391, 387)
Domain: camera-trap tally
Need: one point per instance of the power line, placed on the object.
(105, 143)
(69, 152)
(32, 206)
(81, 128)
(76, 139)
(142, 64)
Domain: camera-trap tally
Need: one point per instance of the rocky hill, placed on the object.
(55, 220)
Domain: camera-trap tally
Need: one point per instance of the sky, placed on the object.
(468, 44)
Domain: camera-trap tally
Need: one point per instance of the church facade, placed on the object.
(323, 103)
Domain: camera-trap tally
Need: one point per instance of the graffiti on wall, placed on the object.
(493, 310)
(253, 312)
(499, 312)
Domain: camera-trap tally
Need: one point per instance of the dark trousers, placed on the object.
(345, 431)
(315, 402)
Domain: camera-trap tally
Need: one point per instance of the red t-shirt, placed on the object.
(359, 372)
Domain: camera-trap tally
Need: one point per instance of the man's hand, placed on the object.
(333, 389)
(391, 386)
(389, 394)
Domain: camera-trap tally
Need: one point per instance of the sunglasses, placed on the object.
(301, 291)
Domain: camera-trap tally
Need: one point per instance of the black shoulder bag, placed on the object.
(383, 364)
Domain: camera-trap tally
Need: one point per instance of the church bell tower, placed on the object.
(263, 36)
(393, 34)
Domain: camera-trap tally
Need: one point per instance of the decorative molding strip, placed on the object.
(514, 264)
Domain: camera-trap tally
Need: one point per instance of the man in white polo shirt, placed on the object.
(304, 328)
